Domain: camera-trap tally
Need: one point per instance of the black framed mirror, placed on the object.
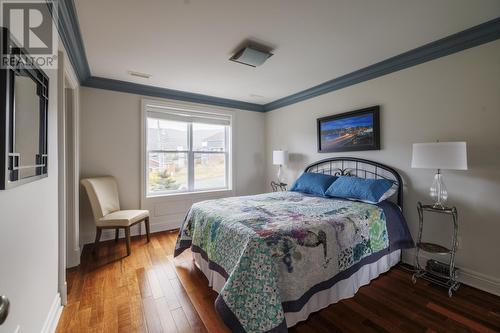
(23, 118)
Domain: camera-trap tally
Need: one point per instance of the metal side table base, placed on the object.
(439, 273)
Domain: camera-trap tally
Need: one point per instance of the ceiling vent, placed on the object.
(139, 74)
(251, 55)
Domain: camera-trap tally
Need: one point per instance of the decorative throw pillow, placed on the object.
(366, 190)
(313, 183)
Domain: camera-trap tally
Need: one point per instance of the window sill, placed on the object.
(187, 194)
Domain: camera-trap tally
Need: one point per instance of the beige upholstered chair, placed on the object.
(103, 197)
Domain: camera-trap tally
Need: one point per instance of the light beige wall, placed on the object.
(29, 240)
(452, 98)
(110, 143)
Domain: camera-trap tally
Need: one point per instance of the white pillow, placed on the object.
(389, 193)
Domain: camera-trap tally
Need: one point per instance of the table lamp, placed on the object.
(280, 157)
(439, 156)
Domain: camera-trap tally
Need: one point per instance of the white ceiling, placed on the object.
(186, 44)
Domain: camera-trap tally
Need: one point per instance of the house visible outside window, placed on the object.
(186, 151)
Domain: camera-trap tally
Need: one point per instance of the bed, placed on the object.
(275, 258)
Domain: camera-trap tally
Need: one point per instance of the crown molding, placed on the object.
(146, 90)
(477, 35)
(69, 30)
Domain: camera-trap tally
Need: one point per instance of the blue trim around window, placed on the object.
(69, 31)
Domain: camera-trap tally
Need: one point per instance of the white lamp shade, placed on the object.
(440, 155)
(280, 157)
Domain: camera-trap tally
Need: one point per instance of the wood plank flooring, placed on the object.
(150, 291)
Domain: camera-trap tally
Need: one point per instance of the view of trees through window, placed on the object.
(185, 156)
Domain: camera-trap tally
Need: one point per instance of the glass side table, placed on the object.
(278, 186)
(443, 274)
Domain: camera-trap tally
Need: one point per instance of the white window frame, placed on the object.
(193, 108)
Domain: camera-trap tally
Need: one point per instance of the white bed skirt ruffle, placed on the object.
(343, 289)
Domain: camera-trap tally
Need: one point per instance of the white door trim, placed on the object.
(73, 230)
(61, 153)
(66, 79)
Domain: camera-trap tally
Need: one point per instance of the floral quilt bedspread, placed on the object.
(272, 248)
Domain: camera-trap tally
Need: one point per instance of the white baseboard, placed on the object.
(63, 293)
(481, 281)
(73, 258)
(466, 276)
(109, 234)
(52, 319)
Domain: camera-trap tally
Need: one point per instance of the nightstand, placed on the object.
(278, 186)
(443, 274)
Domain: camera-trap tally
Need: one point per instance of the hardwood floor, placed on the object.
(150, 291)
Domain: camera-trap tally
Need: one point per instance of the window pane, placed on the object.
(167, 135)
(167, 172)
(209, 171)
(208, 137)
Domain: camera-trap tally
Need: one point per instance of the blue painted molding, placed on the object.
(477, 35)
(69, 31)
(142, 89)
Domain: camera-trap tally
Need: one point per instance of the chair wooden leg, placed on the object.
(97, 238)
(146, 222)
(127, 239)
(117, 234)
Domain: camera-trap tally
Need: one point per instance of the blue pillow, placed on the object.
(368, 190)
(313, 183)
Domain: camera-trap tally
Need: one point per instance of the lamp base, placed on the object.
(438, 191)
(281, 178)
(439, 205)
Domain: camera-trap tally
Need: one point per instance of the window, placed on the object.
(186, 151)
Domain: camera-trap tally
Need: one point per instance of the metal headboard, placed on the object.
(352, 166)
